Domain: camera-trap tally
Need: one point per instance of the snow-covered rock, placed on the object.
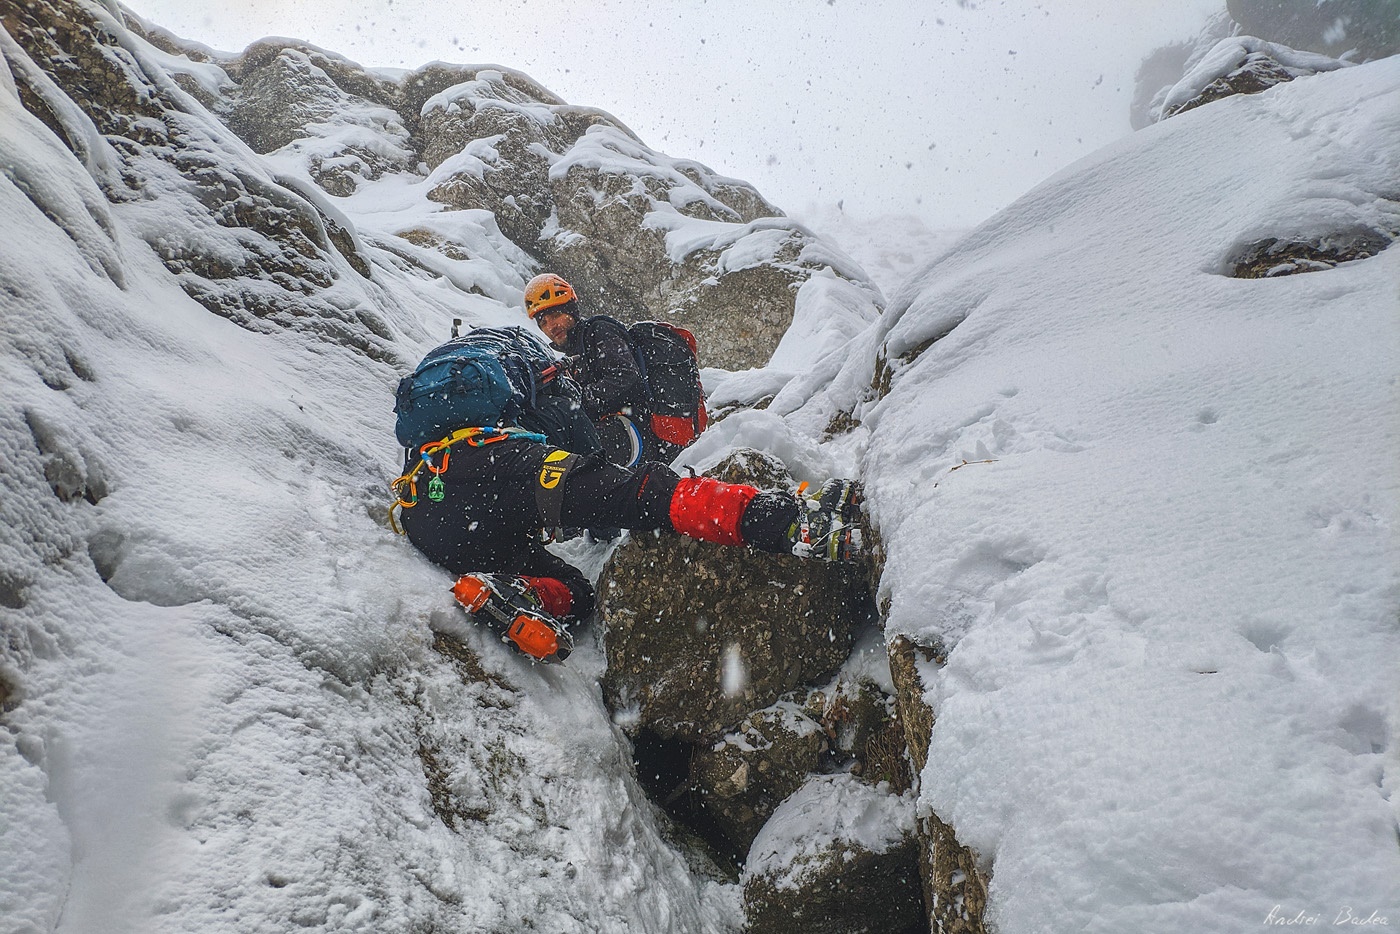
(1240, 65)
(641, 235)
(836, 858)
(746, 774)
(1146, 512)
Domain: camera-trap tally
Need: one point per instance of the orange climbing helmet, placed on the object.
(545, 291)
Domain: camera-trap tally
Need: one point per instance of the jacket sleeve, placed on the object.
(613, 379)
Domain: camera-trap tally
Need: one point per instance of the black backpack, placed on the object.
(666, 355)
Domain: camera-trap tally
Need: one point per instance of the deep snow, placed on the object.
(1147, 507)
(1151, 511)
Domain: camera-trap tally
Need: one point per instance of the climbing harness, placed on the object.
(474, 437)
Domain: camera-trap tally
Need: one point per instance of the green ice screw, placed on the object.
(435, 490)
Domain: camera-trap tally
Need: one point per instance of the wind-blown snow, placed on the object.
(1149, 509)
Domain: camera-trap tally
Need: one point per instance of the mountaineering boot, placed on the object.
(827, 525)
(509, 606)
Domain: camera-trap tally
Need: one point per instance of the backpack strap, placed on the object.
(626, 336)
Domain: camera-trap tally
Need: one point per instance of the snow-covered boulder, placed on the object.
(743, 776)
(1240, 65)
(698, 636)
(837, 857)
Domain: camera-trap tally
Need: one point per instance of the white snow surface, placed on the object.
(223, 712)
(1148, 509)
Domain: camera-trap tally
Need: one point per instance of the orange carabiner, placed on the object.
(397, 485)
(485, 437)
(427, 451)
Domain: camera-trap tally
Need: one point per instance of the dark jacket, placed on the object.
(607, 371)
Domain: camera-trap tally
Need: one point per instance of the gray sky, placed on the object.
(946, 109)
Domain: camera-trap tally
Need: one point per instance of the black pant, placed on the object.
(489, 516)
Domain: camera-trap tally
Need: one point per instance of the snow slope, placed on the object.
(223, 711)
(1151, 511)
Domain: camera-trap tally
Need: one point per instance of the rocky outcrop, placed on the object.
(1360, 29)
(293, 97)
(151, 149)
(1240, 65)
(698, 636)
(1258, 44)
(1274, 256)
(639, 234)
(954, 881)
(491, 141)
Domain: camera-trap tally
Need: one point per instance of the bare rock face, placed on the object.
(838, 857)
(954, 882)
(1365, 28)
(698, 635)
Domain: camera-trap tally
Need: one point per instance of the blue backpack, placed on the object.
(485, 378)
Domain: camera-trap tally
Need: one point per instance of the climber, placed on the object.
(641, 386)
(497, 487)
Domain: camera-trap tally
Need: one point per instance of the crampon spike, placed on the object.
(828, 524)
(472, 592)
(504, 607)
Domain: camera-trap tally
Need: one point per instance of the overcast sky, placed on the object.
(946, 109)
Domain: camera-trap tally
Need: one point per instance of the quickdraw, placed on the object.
(474, 437)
